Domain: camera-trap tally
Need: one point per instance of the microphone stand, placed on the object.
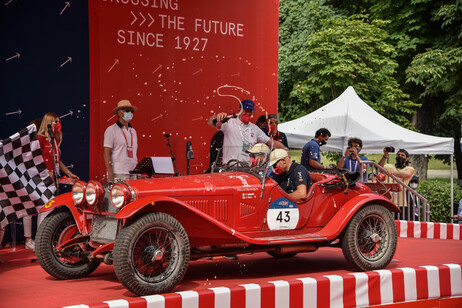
(189, 155)
(171, 153)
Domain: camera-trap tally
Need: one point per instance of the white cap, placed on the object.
(276, 155)
(259, 148)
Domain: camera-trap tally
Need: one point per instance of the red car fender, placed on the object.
(65, 200)
(346, 212)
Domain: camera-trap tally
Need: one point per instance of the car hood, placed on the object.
(219, 184)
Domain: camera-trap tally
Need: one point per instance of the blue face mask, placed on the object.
(128, 116)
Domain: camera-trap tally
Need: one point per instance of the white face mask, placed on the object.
(128, 116)
(413, 185)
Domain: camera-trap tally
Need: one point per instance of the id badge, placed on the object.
(130, 152)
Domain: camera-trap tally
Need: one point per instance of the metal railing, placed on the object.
(414, 207)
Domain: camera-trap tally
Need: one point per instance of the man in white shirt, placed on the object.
(239, 134)
(121, 144)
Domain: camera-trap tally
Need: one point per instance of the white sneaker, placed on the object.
(30, 245)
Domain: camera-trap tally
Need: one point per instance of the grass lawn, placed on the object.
(432, 164)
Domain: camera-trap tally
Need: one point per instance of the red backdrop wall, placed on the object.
(179, 62)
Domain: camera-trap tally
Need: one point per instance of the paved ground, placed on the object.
(440, 174)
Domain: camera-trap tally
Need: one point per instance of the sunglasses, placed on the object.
(128, 110)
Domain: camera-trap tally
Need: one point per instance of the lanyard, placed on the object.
(126, 137)
(356, 164)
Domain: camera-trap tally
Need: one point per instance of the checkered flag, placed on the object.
(25, 185)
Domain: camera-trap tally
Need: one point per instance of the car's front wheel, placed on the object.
(370, 239)
(151, 254)
(58, 227)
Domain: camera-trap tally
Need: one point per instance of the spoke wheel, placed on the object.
(58, 227)
(151, 254)
(370, 238)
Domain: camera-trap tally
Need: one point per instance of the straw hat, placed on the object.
(277, 155)
(124, 104)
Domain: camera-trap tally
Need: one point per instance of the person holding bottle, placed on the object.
(240, 134)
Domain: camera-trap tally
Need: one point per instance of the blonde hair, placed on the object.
(49, 118)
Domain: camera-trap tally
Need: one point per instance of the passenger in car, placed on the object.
(293, 178)
(259, 155)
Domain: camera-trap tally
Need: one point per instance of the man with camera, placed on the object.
(401, 169)
(351, 160)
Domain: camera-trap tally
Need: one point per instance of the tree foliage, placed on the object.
(298, 19)
(353, 51)
(404, 59)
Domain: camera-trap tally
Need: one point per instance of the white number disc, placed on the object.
(282, 215)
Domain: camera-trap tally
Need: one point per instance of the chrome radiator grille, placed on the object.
(104, 229)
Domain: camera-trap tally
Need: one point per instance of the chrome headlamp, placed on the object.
(78, 192)
(120, 195)
(94, 192)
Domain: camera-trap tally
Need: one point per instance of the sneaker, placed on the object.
(30, 245)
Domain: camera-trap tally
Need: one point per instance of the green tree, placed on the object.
(353, 51)
(298, 19)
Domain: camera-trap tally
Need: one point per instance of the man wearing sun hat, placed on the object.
(293, 178)
(121, 143)
(239, 133)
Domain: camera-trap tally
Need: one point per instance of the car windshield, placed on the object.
(241, 166)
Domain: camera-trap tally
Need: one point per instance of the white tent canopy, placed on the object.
(349, 116)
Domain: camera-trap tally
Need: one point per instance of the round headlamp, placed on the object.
(78, 192)
(94, 192)
(120, 195)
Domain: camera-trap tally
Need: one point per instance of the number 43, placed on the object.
(280, 217)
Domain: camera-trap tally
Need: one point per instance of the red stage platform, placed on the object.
(425, 272)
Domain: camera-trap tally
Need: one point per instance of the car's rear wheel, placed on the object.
(370, 239)
(151, 254)
(58, 227)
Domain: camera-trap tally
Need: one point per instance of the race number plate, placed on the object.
(282, 215)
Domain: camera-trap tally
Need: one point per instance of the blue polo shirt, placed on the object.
(352, 164)
(311, 150)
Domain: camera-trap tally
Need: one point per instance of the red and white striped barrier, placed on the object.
(350, 290)
(430, 230)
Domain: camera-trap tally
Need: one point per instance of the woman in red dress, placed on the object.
(47, 152)
(45, 144)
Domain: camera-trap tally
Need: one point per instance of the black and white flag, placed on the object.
(25, 185)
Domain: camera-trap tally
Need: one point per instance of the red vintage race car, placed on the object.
(150, 229)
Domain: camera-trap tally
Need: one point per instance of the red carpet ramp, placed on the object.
(382, 287)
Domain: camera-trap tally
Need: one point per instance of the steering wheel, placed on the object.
(232, 163)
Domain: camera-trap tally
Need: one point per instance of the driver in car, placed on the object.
(293, 178)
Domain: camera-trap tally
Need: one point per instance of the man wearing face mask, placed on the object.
(272, 129)
(311, 152)
(414, 202)
(293, 178)
(121, 144)
(239, 134)
(401, 169)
